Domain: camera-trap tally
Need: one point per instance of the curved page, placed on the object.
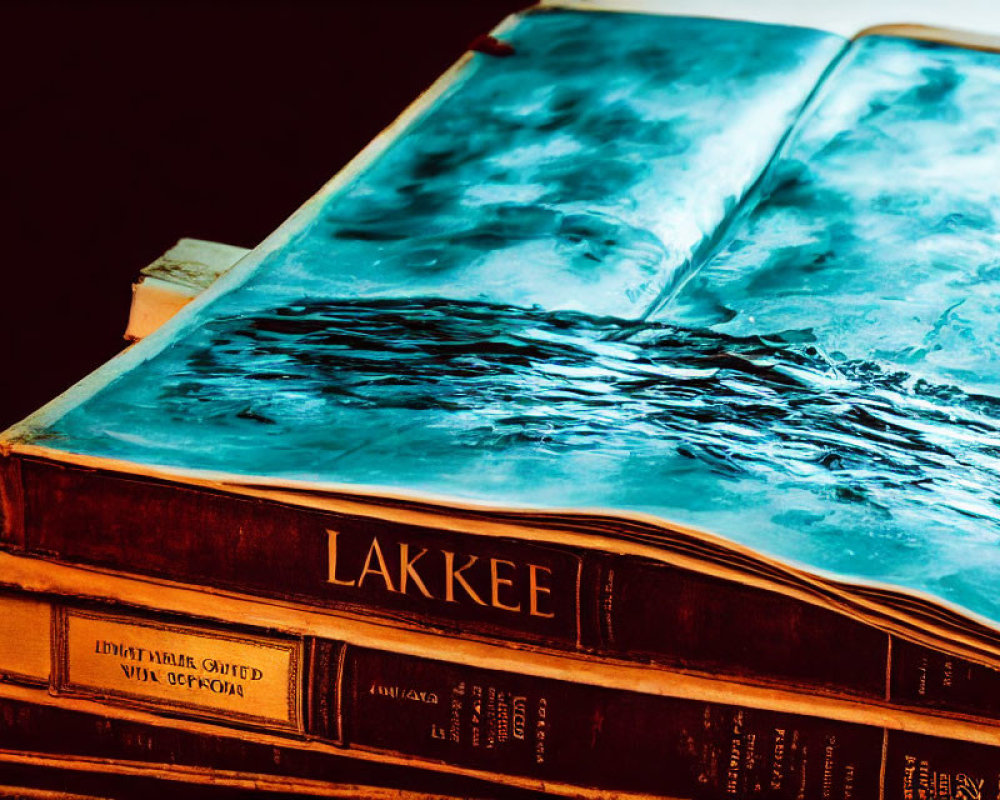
(855, 409)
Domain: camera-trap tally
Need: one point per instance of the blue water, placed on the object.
(877, 231)
(820, 386)
(580, 174)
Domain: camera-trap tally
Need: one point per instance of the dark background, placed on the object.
(127, 125)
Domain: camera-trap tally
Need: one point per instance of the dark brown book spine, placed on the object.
(456, 581)
(514, 729)
(12, 529)
(915, 767)
(37, 734)
(597, 737)
(921, 676)
(933, 768)
(528, 731)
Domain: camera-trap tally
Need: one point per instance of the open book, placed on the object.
(669, 340)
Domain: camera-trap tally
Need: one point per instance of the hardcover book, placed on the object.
(647, 350)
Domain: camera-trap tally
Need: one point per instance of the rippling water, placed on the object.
(769, 440)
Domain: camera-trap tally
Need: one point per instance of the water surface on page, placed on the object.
(842, 465)
(877, 233)
(580, 173)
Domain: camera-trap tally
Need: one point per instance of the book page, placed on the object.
(579, 172)
(856, 301)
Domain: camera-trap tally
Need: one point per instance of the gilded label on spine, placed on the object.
(184, 668)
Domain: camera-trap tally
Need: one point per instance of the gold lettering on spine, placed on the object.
(734, 769)
(496, 582)
(909, 771)
(407, 571)
(382, 570)
(536, 589)
(778, 760)
(506, 577)
(541, 730)
(332, 556)
(829, 756)
(452, 575)
(969, 787)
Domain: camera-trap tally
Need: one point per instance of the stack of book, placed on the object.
(622, 422)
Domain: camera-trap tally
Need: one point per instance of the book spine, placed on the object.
(492, 587)
(523, 730)
(527, 731)
(37, 734)
(66, 743)
(12, 528)
(593, 737)
(924, 677)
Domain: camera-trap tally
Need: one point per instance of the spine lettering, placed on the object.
(471, 584)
